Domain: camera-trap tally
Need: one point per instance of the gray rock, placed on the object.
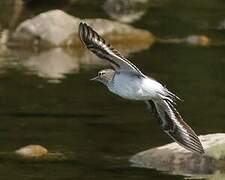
(120, 33)
(56, 28)
(174, 159)
(126, 11)
(221, 25)
(47, 29)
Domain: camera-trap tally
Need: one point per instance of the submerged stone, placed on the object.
(174, 159)
(32, 151)
(200, 40)
(38, 153)
(193, 40)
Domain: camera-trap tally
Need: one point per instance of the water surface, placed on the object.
(53, 103)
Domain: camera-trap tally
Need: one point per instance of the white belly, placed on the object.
(135, 88)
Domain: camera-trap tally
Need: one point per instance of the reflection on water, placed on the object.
(54, 64)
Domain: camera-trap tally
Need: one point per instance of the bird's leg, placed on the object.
(150, 106)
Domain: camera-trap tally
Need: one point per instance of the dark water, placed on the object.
(54, 104)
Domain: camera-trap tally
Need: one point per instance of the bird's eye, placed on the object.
(101, 73)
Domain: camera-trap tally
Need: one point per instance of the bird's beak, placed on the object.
(95, 79)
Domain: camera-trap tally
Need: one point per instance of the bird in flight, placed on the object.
(128, 82)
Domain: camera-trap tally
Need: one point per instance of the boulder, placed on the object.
(174, 159)
(56, 28)
(32, 151)
(119, 33)
(47, 29)
(126, 11)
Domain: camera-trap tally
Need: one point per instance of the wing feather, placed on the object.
(94, 42)
(172, 123)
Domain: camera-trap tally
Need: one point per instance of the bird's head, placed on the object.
(104, 76)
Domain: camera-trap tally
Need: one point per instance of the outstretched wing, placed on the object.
(172, 123)
(94, 42)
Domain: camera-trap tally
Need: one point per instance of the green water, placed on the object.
(58, 107)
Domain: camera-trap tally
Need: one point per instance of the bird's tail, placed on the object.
(172, 123)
